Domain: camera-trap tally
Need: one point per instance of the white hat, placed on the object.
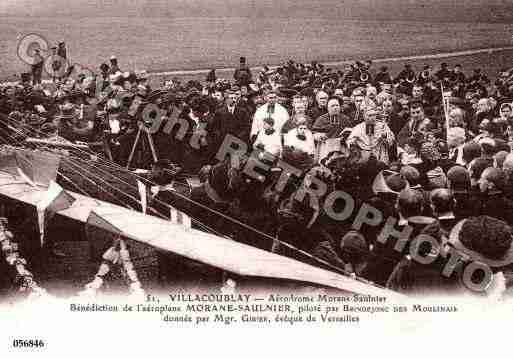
(113, 57)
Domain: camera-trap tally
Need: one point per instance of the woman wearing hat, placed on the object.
(489, 241)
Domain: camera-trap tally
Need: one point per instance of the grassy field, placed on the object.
(490, 63)
(205, 34)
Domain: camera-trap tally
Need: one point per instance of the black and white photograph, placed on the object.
(176, 167)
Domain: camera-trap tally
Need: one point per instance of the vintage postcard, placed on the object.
(251, 178)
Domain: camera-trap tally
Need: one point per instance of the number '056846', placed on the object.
(28, 343)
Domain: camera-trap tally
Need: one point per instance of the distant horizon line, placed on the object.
(439, 55)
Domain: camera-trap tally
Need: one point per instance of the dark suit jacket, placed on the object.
(409, 129)
(237, 124)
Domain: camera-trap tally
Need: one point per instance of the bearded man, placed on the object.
(372, 137)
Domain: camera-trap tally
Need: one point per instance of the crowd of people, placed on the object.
(429, 148)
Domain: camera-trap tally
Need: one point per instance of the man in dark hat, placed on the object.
(383, 76)
(211, 76)
(407, 74)
(61, 50)
(425, 75)
(198, 143)
(242, 74)
(444, 74)
(37, 67)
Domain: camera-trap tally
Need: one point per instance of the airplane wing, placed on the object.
(207, 248)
